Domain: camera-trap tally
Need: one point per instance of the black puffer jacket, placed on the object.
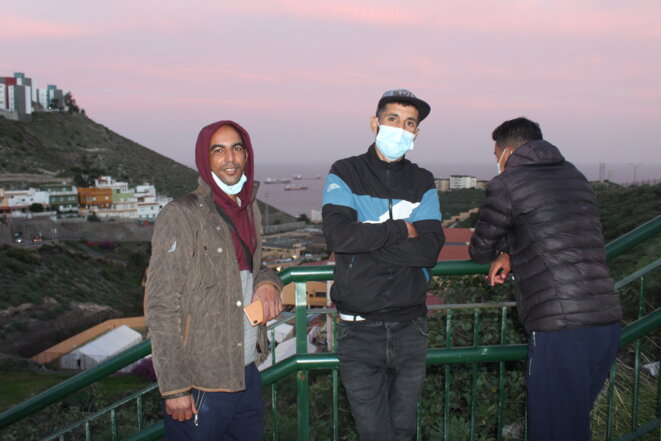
(542, 210)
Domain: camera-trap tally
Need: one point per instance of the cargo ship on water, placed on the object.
(295, 187)
(277, 181)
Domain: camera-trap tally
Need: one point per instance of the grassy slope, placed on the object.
(66, 145)
(63, 144)
(458, 201)
(66, 274)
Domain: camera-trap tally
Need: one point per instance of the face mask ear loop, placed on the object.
(500, 160)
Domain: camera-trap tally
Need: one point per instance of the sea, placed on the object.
(313, 176)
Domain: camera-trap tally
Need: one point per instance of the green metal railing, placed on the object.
(302, 363)
(635, 334)
(111, 413)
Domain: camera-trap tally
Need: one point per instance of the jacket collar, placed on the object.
(374, 159)
(537, 152)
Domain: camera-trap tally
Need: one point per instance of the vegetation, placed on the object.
(454, 202)
(55, 291)
(621, 209)
(65, 273)
(18, 386)
(69, 145)
(58, 145)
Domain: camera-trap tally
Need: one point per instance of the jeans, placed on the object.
(383, 367)
(223, 416)
(566, 371)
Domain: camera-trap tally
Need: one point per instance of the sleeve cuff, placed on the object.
(268, 282)
(177, 395)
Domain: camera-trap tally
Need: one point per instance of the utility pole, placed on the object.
(602, 171)
(635, 170)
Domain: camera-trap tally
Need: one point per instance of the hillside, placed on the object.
(64, 145)
(58, 146)
(54, 291)
(622, 209)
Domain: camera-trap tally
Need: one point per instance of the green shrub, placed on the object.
(23, 255)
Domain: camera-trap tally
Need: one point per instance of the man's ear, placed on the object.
(374, 124)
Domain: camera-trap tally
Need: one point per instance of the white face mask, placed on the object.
(393, 142)
(230, 189)
(498, 163)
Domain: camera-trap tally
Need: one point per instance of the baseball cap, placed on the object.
(405, 96)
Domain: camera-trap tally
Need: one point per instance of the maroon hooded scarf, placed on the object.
(243, 222)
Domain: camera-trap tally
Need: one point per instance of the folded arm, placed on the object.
(343, 232)
(423, 250)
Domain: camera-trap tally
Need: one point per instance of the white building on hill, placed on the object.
(462, 181)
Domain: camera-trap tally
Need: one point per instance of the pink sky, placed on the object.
(304, 76)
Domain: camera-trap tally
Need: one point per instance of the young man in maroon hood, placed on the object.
(205, 268)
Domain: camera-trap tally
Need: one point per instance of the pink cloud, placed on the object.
(565, 18)
(373, 12)
(117, 99)
(14, 27)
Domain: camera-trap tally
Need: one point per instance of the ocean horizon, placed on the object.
(303, 201)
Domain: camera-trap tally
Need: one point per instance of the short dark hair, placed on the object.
(516, 132)
(380, 109)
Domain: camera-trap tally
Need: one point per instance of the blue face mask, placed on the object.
(230, 189)
(393, 142)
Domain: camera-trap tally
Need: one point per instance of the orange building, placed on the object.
(90, 197)
(4, 202)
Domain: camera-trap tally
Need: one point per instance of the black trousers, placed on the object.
(223, 416)
(383, 366)
(566, 371)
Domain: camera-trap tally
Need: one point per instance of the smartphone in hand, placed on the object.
(255, 312)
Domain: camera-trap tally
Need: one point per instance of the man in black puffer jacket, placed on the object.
(541, 211)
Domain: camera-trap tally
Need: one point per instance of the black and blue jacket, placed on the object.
(380, 273)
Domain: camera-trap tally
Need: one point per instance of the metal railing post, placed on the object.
(448, 378)
(302, 386)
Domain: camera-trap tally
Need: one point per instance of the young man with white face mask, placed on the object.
(205, 268)
(382, 219)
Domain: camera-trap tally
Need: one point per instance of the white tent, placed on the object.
(98, 350)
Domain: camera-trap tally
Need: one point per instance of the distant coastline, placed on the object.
(301, 202)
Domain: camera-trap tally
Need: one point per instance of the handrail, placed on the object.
(90, 418)
(634, 237)
(75, 383)
(292, 274)
(637, 275)
(483, 354)
(461, 267)
(641, 327)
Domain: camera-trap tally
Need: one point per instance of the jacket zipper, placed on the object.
(388, 184)
(390, 272)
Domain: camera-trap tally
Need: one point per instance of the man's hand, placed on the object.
(500, 268)
(270, 297)
(411, 230)
(181, 408)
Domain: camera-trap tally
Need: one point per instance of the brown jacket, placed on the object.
(193, 300)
